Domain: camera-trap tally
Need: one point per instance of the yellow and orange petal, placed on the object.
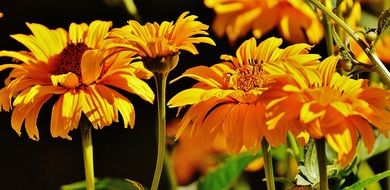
(382, 47)
(228, 96)
(295, 20)
(336, 108)
(74, 66)
(155, 40)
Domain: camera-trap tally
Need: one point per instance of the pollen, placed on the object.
(69, 59)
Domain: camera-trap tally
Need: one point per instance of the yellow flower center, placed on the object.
(247, 77)
(69, 59)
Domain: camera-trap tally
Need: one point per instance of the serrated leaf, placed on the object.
(364, 183)
(106, 184)
(383, 21)
(224, 176)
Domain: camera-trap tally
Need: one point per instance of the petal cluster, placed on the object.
(337, 108)
(155, 40)
(75, 67)
(227, 100)
(294, 19)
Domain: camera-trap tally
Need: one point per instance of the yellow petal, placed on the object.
(77, 32)
(91, 66)
(97, 32)
(69, 80)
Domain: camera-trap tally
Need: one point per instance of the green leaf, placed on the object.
(227, 173)
(309, 170)
(364, 183)
(364, 172)
(106, 184)
(381, 144)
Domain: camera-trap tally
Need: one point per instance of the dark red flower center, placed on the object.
(69, 60)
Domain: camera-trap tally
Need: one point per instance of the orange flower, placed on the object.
(335, 107)
(229, 95)
(295, 20)
(165, 39)
(73, 66)
(382, 49)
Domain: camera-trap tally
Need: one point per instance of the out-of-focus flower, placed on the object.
(162, 42)
(351, 12)
(336, 108)
(295, 20)
(190, 160)
(228, 98)
(382, 49)
(73, 67)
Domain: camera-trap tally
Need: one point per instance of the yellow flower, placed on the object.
(228, 97)
(73, 67)
(165, 39)
(295, 20)
(336, 108)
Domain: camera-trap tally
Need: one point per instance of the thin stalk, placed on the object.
(161, 81)
(170, 172)
(295, 148)
(379, 66)
(321, 157)
(268, 167)
(86, 140)
(328, 29)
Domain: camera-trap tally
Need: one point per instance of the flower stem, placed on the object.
(328, 29)
(321, 157)
(161, 80)
(86, 140)
(379, 66)
(170, 172)
(268, 167)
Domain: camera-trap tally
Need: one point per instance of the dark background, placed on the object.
(122, 153)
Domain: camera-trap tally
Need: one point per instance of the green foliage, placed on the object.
(227, 173)
(364, 183)
(106, 184)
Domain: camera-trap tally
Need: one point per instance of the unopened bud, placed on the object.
(346, 65)
(370, 36)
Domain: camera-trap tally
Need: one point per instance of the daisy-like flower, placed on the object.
(294, 19)
(229, 96)
(72, 66)
(162, 42)
(336, 108)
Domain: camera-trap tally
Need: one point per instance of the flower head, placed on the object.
(165, 40)
(74, 66)
(335, 107)
(229, 96)
(295, 20)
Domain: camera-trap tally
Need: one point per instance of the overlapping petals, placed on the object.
(158, 40)
(75, 67)
(294, 19)
(229, 95)
(336, 108)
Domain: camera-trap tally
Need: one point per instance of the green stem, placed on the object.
(379, 66)
(268, 167)
(161, 81)
(295, 148)
(328, 29)
(86, 140)
(170, 172)
(321, 157)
